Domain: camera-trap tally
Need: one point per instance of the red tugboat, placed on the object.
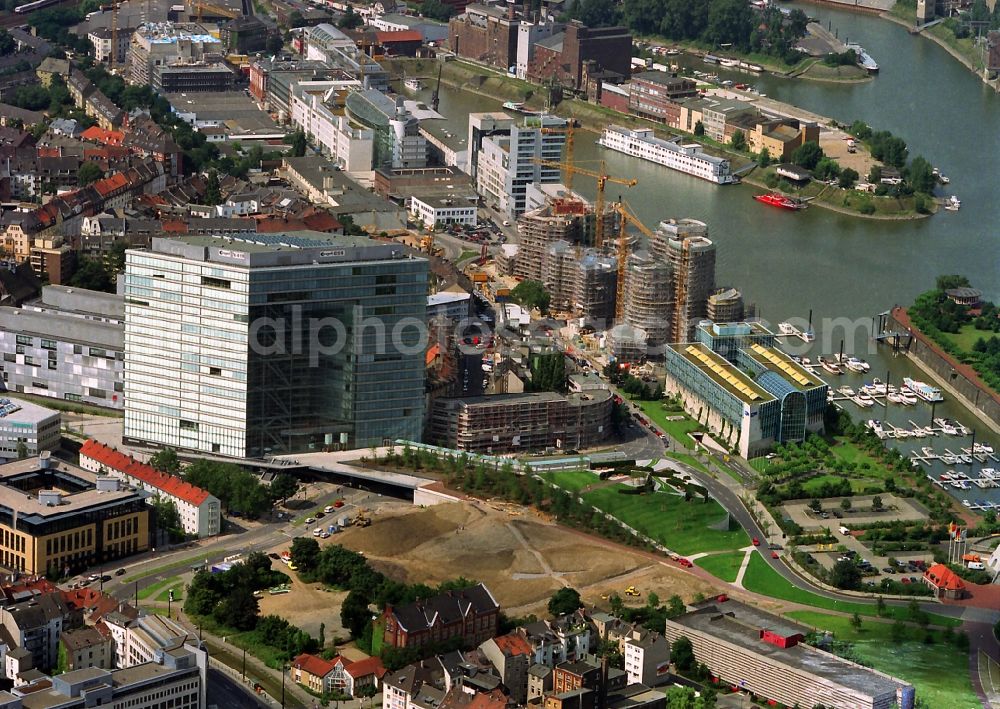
(779, 200)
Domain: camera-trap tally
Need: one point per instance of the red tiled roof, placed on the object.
(322, 221)
(276, 225)
(941, 576)
(48, 152)
(99, 135)
(169, 484)
(174, 226)
(399, 36)
(316, 666)
(110, 184)
(513, 644)
(363, 668)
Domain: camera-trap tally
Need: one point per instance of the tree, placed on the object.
(213, 193)
(295, 19)
(699, 128)
(167, 517)
(305, 553)
(238, 609)
(350, 20)
(436, 10)
(846, 575)
(729, 22)
(764, 159)
(21, 450)
(531, 294)
(284, 486)
(816, 505)
(921, 175)
(7, 43)
(563, 601)
(848, 178)
(653, 600)
(354, 613)
(616, 604)
(299, 144)
(845, 504)
(856, 621)
(738, 141)
(682, 654)
(166, 461)
(807, 155)
(275, 44)
(91, 275)
(877, 503)
(675, 606)
(89, 172)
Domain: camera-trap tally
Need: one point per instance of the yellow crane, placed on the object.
(603, 178)
(627, 217)
(568, 130)
(200, 7)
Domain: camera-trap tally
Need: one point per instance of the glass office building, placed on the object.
(258, 345)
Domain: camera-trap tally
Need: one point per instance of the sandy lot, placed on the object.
(307, 606)
(521, 558)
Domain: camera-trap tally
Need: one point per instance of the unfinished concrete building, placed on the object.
(692, 263)
(725, 305)
(649, 298)
(559, 220)
(560, 274)
(674, 229)
(596, 285)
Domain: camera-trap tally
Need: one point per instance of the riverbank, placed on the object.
(842, 201)
(944, 38)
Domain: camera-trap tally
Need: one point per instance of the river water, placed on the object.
(835, 265)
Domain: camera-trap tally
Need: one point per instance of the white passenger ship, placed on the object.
(688, 158)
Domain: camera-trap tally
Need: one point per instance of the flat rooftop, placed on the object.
(17, 411)
(233, 109)
(723, 373)
(740, 625)
(735, 329)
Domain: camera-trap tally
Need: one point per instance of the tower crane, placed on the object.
(568, 131)
(627, 216)
(603, 178)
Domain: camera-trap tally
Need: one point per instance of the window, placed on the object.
(215, 282)
(215, 371)
(48, 344)
(96, 352)
(24, 340)
(77, 349)
(188, 425)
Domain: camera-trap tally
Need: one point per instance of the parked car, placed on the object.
(774, 555)
(121, 572)
(889, 570)
(686, 563)
(310, 520)
(756, 542)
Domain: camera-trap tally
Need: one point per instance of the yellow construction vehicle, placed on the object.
(603, 178)
(632, 591)
(361, 519)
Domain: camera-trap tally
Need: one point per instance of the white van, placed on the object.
(844, 530)
(976, 565)
(318, 531)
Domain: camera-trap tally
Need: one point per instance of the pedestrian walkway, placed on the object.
(748, 552)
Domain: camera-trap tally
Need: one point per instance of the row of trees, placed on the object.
(228, 597)
(715, 23)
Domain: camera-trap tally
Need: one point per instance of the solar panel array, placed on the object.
(8, 407)
(723, 372)
(783, 364)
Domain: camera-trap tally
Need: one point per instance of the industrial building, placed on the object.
(766, 655)
(67, 345)
(522, 422)
(26, 429)
(753, 396)
(56, 517)
(342, 316)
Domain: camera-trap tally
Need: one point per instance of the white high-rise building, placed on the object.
(508, 161)
(260, 344)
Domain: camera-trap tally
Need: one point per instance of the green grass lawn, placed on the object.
(571, 480)
(939, 672)
(812, 485)
(155, 590)
(761, 578)
(723, 566)
(965, 338)
(667, 518)
(678, 430)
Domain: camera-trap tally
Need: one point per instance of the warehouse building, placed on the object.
(766, 655)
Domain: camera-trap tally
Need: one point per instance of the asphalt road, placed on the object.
(225, 692)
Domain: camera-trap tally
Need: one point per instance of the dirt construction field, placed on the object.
(521, 558)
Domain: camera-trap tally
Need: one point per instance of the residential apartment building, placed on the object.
(339, 675)
(27, 429)
(656, 95)
(87, 647)
(647, 659)
(101, 39)
(511, 656)
(766, 655)
(350, 147)
(200, 512)
(521, 422)
(507, 163)
(35, 626)
(58, 517)
(469, 613)
(225, 388)
(67, 345)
